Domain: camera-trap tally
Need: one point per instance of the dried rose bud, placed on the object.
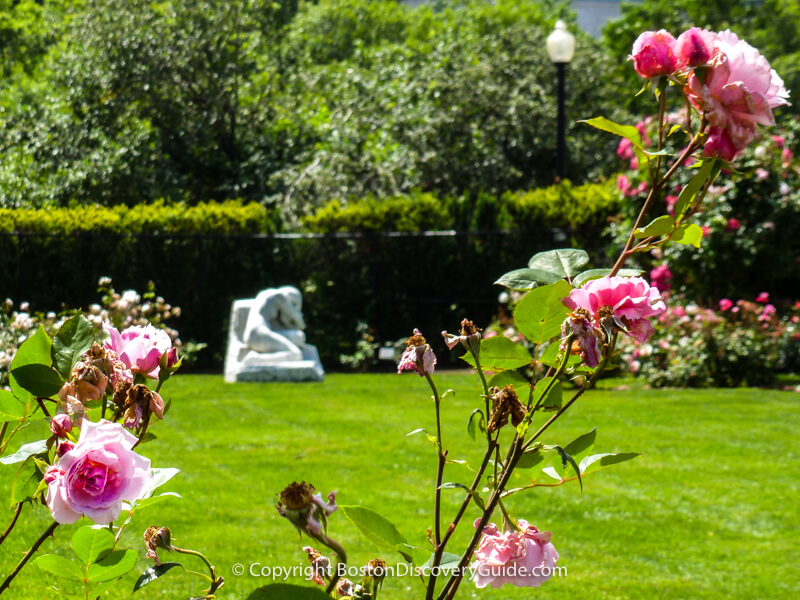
(505, 403)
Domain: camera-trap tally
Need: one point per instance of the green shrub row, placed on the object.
(558, 206)
(232, 217)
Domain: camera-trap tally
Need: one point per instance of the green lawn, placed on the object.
(709, 511)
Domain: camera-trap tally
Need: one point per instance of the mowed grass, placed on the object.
(709, 511)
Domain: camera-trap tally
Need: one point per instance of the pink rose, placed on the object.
(725, 304)
(654, 54)
(660, 278)
(521, 558)
(418, 356)
(627, 302)
(61, 425)
(736, 93)
(93, 478)
(695, 47)
(624, 184)
(763, 298)
(139, 348)
(733, 224)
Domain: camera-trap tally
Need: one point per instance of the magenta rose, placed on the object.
(523, 558)
(139, 348)
(653, 54)
(695, 47)
(93, 478)
(629, 301)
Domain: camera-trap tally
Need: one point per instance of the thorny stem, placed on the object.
(47, 533)
(216, 581)
(437, 512)
(11, 525)
(336, 547)
(654, 191)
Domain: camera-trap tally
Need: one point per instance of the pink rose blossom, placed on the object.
(706, 230)
(61, 425)
(139, 348)
(695, 47)
(588, 336)
(778, 140)
(653, 54)
(725, 304)
(786, 156)
(523, 558)
(628, 301)
(93, 478)
(679, 311)
(733, 225)
(736, 93)
(660, 278)
(671, 202)
(418, 356)
(763, 297)
(768, 311)
(761, 173)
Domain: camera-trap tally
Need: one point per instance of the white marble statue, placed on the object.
(266, 341)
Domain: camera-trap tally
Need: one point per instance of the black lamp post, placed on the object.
(561, 48)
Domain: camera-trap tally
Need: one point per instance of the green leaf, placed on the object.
(554, 396)
(286, 591)
(160, 477)
(153, 573)
(448, 561)
(499, 353)
(92, 544)
(566, 458)
(25, 451)
(60, 567)
(593, 463)
(26, 480)
(73, 339)
(476, 497)
(11, 409)
(656, 228)
(39, 380)
(580, 447)
(34, 350)
(540, 313)
(564, 262)
(579, 280)
(629, 132)
(98, 590)
(531, 459)
(688, 234)
(474, 424)
(504, 378)
(145, 502)
(377, 529)
(527, 279)
(550, 356)
(113, 565)
(690, 191)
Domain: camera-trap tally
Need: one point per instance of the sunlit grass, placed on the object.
(708, 511)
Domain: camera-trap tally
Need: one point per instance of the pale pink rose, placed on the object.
(763, 297)
(786, 156)
(679, 311)
(627, 302)
(139, 348)
(588, 336)
(761, 173)
(725, 304)
(737, 92)
(523, 558)
(768, 311)
(417, 355)
(695, 47)
(95, 476)
(654, 54)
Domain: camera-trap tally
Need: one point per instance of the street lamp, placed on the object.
(561, 48)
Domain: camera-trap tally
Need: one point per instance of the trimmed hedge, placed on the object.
(558, 206)
(232, 217)
(202, 258)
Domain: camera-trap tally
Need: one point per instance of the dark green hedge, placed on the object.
(385, 272)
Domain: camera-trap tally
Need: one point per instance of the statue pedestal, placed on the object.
(244, 364)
